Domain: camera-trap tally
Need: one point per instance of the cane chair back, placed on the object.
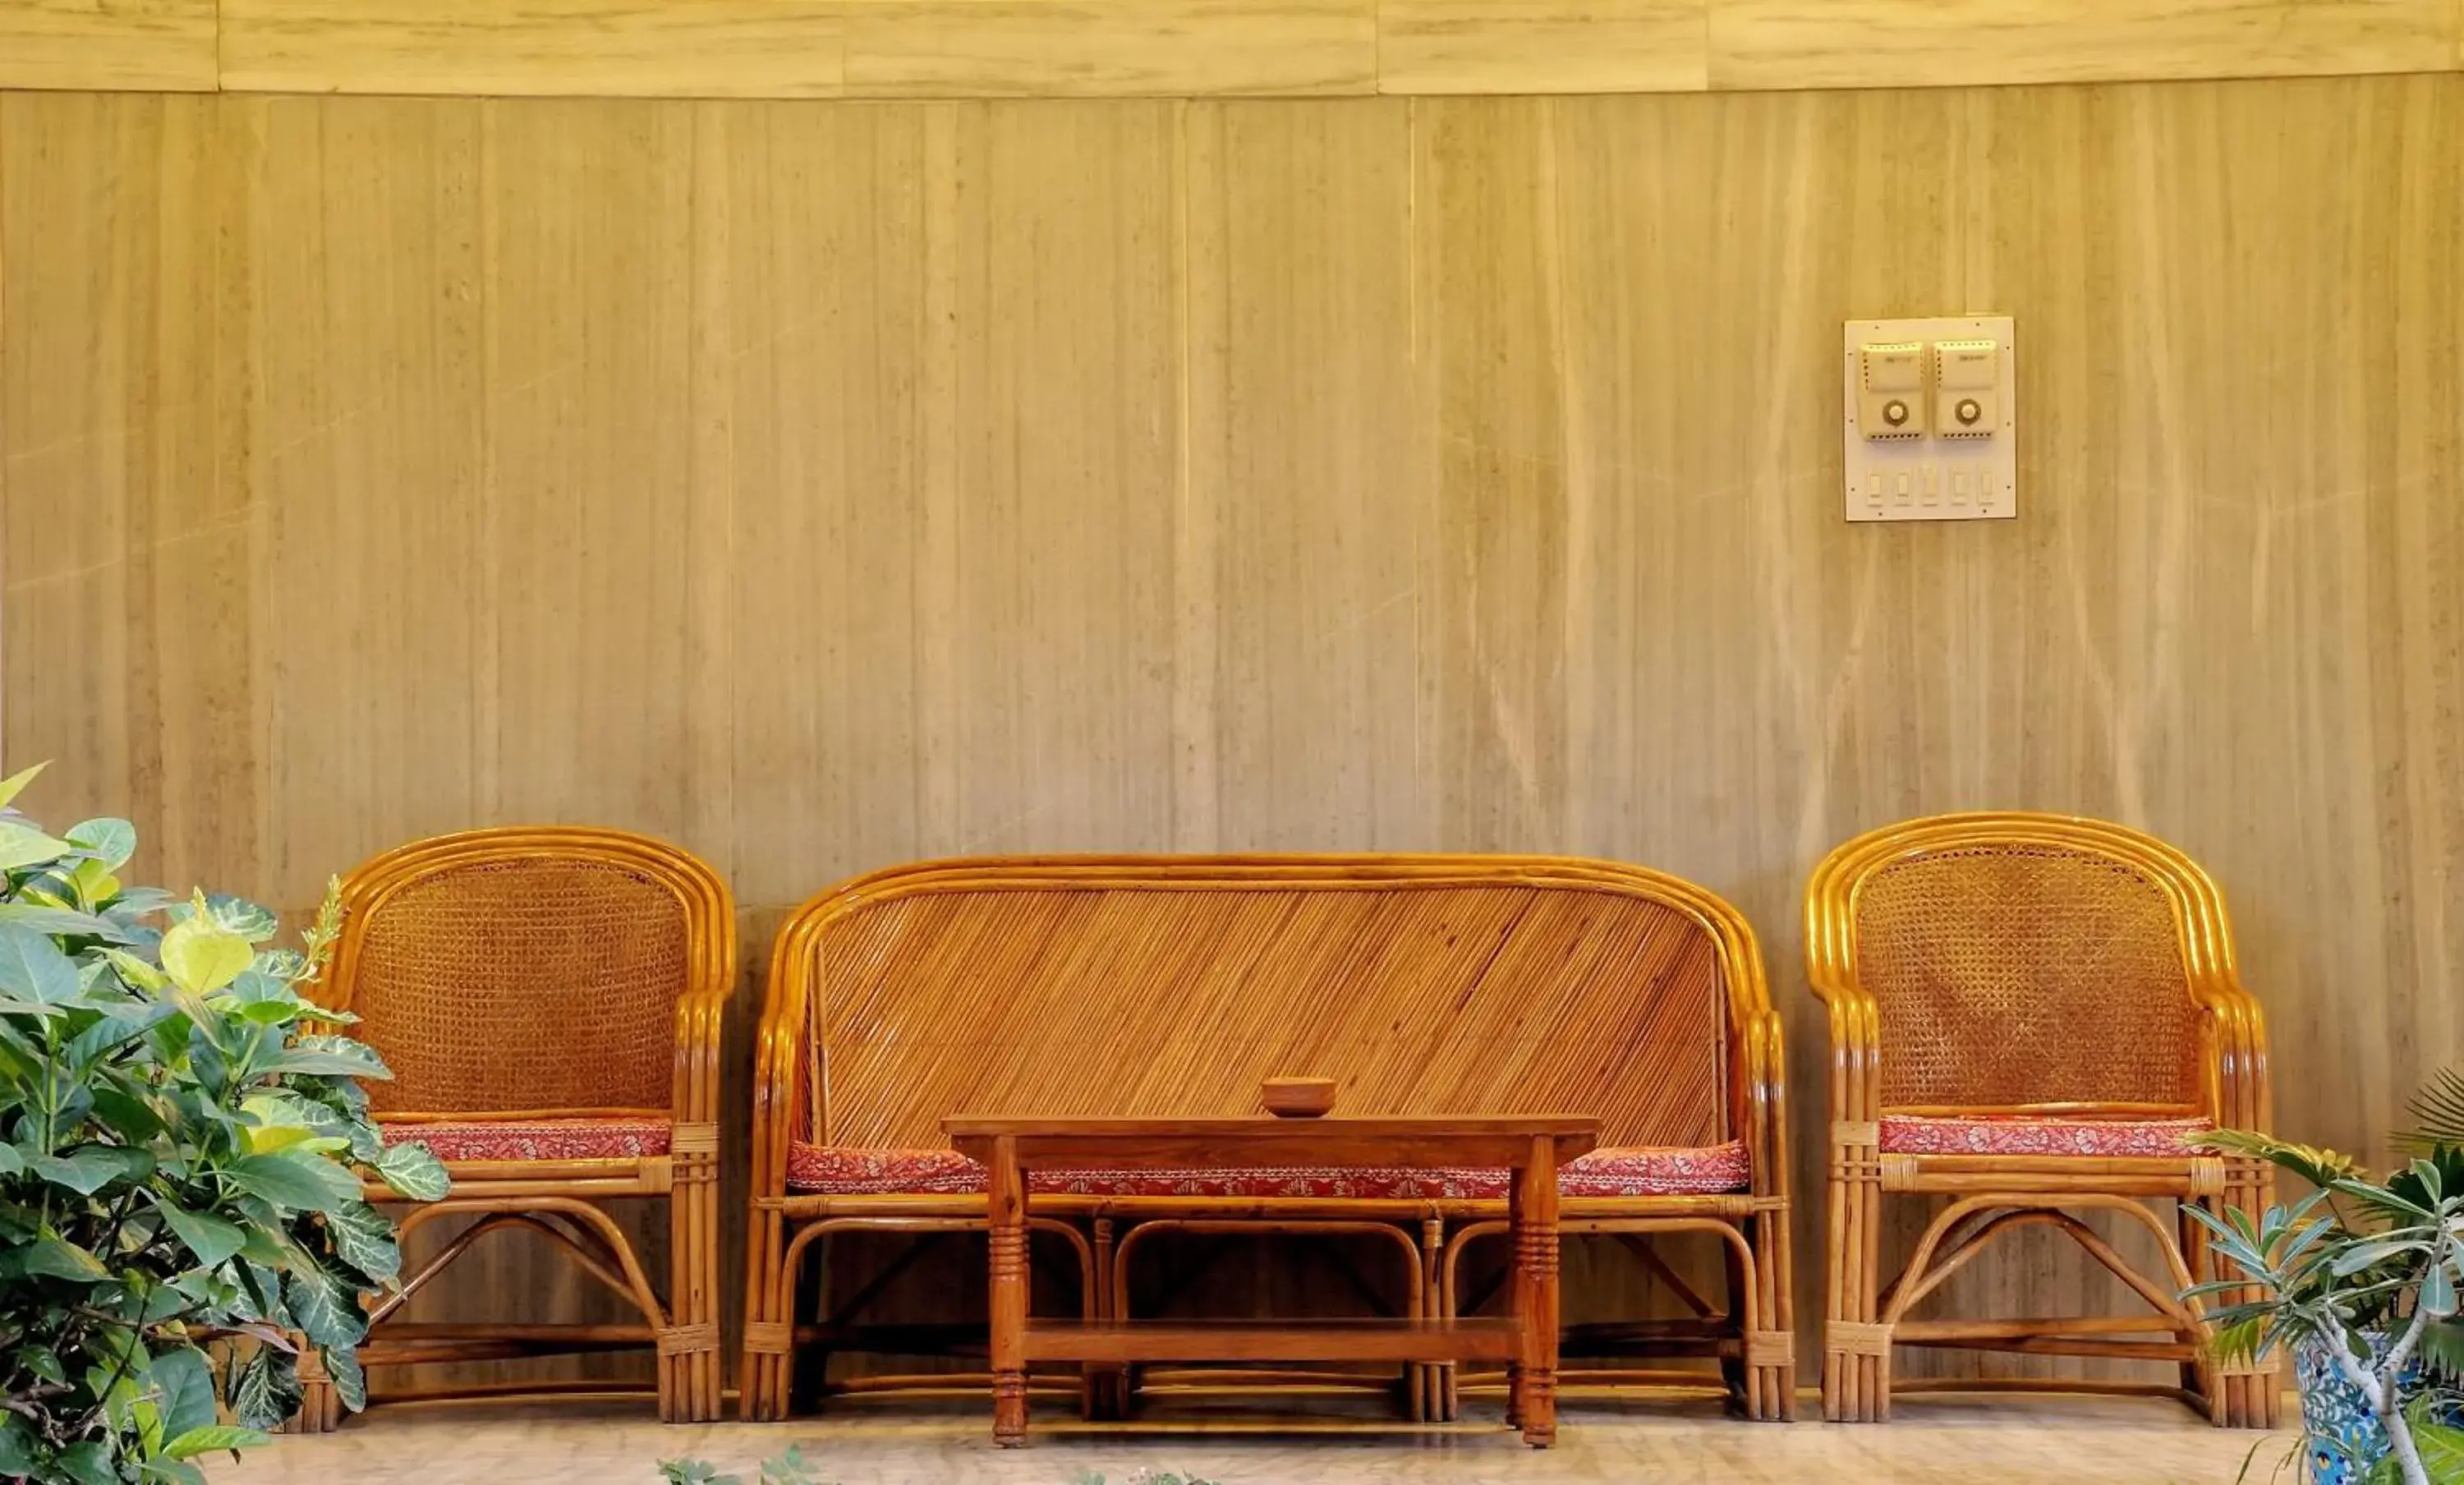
(2017, 961)
(529, 971)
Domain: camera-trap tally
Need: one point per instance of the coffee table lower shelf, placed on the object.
(1530, 1146)
(1476, 1339)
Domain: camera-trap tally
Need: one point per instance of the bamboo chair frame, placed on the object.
(1991, 1193)
(781, 1221)
(564, 1200)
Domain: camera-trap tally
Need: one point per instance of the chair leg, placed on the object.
(1855, 1348)
(1775, 1270)
(321, 1406)
(2197, 1259)
(1107, 1387)
(2243, 1398)
(1736, 1372)
(769, 1310)
(709, 1361)
(675, 1392)
(1518, 1284)
(1428, 1392)
(782, 1361)
(1444, 1271)
(689, 1346)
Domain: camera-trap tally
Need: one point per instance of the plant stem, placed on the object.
(2378, 1388)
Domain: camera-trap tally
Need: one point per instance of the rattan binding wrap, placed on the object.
(1857, 1339)
(2015, 972)
(769, 1338)
(453, 980)
(686, 1340)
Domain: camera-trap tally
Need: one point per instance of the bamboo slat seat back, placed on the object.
(1166, 988)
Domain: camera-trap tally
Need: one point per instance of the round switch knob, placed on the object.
(1967, 411)
(1895, 412)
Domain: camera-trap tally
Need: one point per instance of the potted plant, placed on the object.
(183, 1139)
(2359, 1281)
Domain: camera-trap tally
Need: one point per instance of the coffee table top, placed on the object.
(1443, 1139)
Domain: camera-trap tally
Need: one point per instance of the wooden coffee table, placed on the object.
(1531, 1147)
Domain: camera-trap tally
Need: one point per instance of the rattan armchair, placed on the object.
(2029, 1016)
(549, 1001)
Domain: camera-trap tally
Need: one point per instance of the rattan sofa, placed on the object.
(1172, 986)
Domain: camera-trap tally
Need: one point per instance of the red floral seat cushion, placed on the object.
(537, 1140)
(1907, 1134)
(849, 1170)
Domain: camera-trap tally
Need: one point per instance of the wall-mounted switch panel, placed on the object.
(1931, 408)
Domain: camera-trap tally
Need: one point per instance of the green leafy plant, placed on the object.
(183, 1139)
(2368, 1272)
(2439, 1108)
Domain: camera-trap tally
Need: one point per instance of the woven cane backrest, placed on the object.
(2012, 969)
(501, 973)
(1172, 987)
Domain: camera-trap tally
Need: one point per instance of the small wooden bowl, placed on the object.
(1297, 1098)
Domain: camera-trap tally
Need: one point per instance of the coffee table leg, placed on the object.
(1006, 1193)
(1535, 1292)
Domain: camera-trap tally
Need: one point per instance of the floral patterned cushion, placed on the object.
(1654, 1171)
(849, 1170)
(1906, 1134)
(536, 1140)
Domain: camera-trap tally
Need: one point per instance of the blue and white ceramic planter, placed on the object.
(2340, 1437)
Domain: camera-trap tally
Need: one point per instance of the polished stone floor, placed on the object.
(1935, 1440)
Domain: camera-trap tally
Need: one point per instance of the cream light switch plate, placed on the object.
(1944, 447)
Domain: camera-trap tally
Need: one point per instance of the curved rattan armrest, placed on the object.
(1763, 1074)
(779, 1045)
(701, 1010)
(1855, 1015)
(2237, 1048)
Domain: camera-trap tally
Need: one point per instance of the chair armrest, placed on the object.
(1766, 1079)
(2235, 1045)
(776, 1047)
(1856, 1017)
(1856, 1052)
(701, 1010)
